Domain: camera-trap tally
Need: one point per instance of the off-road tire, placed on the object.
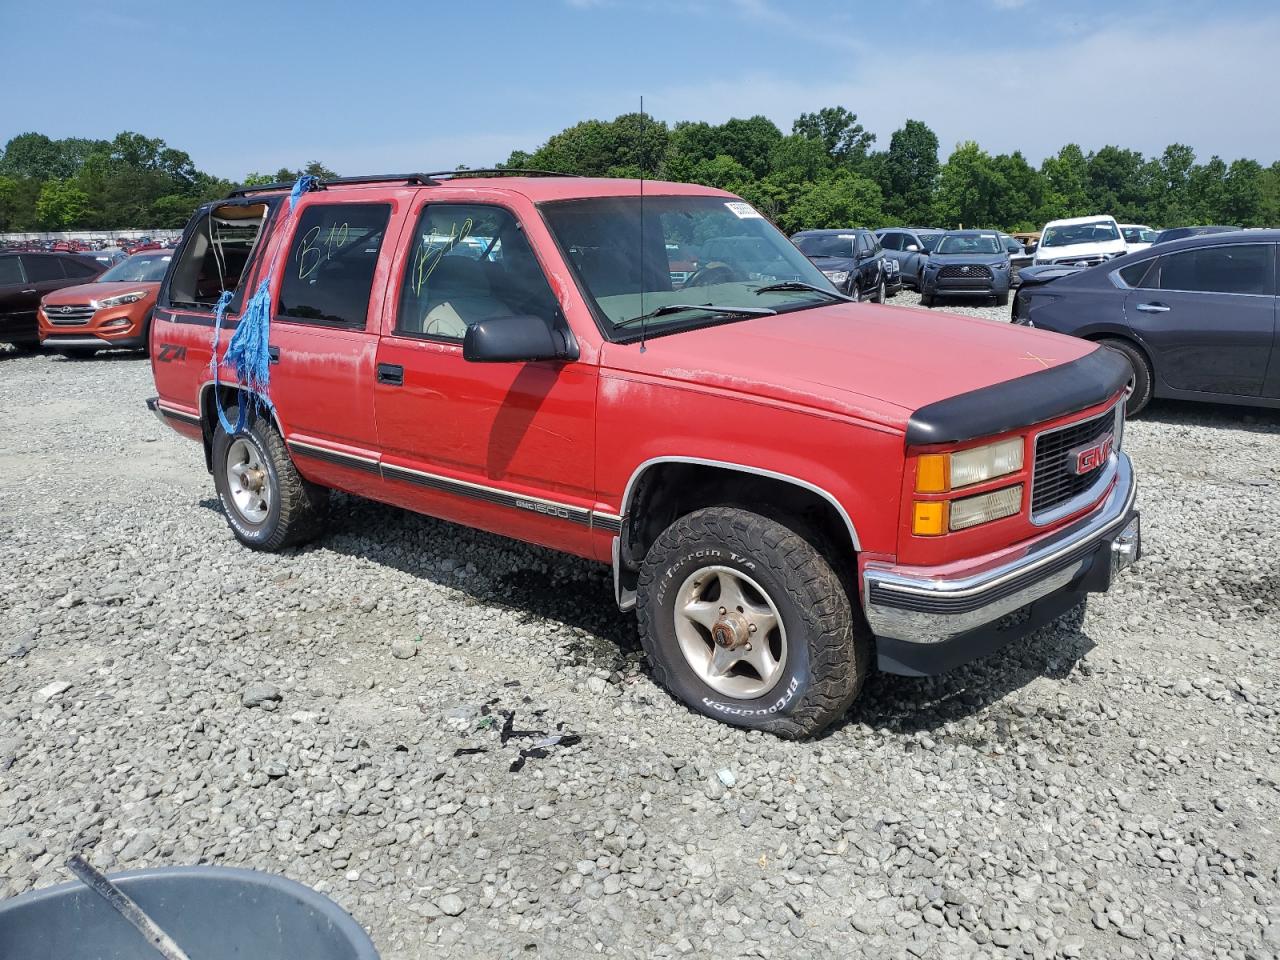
(298, 508)
(1140, 395)
(829, 646)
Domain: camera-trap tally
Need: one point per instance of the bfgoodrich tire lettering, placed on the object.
(296, 508)
(828, 647)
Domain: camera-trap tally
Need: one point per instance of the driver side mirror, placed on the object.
(913, 248)
(517, 339)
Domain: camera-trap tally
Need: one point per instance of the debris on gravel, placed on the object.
(1109, 787)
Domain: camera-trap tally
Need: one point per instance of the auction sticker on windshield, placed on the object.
(743, 211)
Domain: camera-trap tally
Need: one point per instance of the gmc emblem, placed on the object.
(1084, 460)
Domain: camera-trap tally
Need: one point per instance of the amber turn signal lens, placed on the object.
(931, 473)
(929, 519)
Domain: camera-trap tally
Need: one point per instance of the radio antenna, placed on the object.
(640, 157)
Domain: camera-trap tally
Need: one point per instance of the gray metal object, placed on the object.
(213, 913)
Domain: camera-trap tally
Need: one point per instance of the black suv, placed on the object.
(851, 259)
(25, 278)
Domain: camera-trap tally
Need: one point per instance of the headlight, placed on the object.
(940, 472)
(972, 511)
(838, 276)
(118, 300)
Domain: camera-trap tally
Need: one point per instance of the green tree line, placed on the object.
(129, 181)
(826, 172)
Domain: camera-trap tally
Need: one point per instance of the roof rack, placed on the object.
(410, 179)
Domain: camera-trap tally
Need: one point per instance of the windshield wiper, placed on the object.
(801, 285)
(682, 307)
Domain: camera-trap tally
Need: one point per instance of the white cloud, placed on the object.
(1128, 84)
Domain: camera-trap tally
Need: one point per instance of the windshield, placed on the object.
(970, 243)
(826, 246)
(142, 268)
(725, 252)
(930, 240)
(1100, 231)
(1138, 234)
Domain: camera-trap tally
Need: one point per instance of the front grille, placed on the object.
(1053, 483)
(972, 271)
(73, 315)
(1092, 260)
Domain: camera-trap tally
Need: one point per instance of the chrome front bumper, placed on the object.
(912, 607)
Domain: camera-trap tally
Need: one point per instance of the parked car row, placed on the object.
(76, 305)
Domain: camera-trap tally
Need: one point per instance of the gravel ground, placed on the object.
(1106, 788)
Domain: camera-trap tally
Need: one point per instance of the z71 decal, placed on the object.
(171, 351)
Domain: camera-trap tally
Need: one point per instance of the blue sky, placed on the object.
(391, 86)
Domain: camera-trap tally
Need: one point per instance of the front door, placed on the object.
(502, 446)
(1209, 316)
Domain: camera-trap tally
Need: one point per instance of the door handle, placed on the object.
(391, 373)
(31, 291)
(1152, 308)
(273, 354)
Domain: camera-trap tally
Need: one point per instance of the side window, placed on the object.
(75, 268)
(863, 245)
(467, 263)
(329, 273)
(889, 241)
(10, 271)
(1140, 274)
(40, 269)
(1235, 268)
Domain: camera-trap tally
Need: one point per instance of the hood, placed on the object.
(863, 360)
(985, 258)
(84, 292)
(1066, 251)
(832, 263)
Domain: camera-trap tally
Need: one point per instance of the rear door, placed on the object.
(329, 284)
(506, 447)
(1209, 316)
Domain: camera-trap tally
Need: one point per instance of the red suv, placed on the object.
(790, 488)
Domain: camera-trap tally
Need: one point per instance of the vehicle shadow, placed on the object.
(897, 705)
(542, 584)
(1226, 415)
(106, 355)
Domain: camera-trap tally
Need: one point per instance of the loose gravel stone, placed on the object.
(1108, 787)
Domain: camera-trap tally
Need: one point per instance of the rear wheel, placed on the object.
(267, 503)
(745, 621)
(1140, 382)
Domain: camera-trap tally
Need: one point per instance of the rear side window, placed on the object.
(329, 273)
(1135, 274)
(216, 255)
(76, 269)
(469, 262)
(1236, 268)
(10, 272)
(891, 241)
(40, 269)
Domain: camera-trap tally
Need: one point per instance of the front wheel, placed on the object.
(926, 299)
(267, 503)
(745, 621)
(1002, 299)
(879, 295)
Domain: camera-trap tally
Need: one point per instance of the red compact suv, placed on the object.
(789, 487)
(114, 311)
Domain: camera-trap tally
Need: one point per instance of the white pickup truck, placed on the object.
(1082, 241)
